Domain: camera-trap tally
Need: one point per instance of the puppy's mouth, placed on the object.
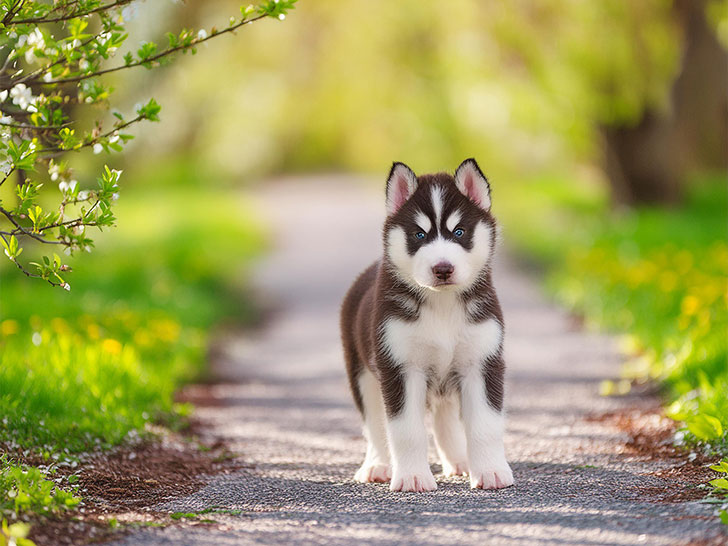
(438, 283)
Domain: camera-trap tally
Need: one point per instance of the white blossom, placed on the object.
(35, 42)
(83, 65)
(98, 148)
(3, 95)
(36, 39)
(22, 96)
(202, 34)
(67, 186)
(54, 170)
(113, 138)
(66, 286)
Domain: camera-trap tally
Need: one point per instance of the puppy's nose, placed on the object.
(443, 270)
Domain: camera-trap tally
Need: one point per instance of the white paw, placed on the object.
(454, 469)
(413, 481)
(368, 473)
(491, 477)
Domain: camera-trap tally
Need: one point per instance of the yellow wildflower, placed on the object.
(111, 346)
(9, 327)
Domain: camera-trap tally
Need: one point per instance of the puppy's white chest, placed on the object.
(442, 338)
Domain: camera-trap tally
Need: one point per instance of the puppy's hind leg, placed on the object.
(376, 466)
(450, 437)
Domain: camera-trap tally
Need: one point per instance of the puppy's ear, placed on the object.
(401, 184)
(473, 184)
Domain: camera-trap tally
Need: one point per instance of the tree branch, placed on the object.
(66, 17)
(51, 151)
(21, 230)
(151, 59)
(12, 170)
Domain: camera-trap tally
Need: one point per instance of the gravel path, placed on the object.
(285, 408)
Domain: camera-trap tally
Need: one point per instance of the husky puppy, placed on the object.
(422, 328)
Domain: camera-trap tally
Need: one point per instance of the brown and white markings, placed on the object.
(422, 329)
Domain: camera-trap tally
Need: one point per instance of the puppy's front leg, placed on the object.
(482, 400)
(404, 396)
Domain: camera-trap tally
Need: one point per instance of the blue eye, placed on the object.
(420, 235)
(459, 232)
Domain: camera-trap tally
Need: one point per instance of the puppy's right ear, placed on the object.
(401, 184)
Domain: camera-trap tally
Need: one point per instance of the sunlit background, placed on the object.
(601, 125)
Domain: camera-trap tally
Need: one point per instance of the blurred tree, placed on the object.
(530, 87)
(648, 161)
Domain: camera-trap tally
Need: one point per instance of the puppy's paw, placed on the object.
(454, 469)
(369, 473)
(491, 477)
(405, 480)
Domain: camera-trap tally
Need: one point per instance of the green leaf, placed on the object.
(719, 483)
(150, 110)
(724, 517)
(19, 530)
(705, 427)
(11, 248)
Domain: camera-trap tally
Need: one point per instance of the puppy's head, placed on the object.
(439, 233)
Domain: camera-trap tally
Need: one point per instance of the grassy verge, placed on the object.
(94, 366)
(657, 275)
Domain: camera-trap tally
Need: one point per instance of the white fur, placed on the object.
(376, 466)
(408, 439)
(450, 436)
(487, 465)
(453, 220)
(423, 221)
(437, 203)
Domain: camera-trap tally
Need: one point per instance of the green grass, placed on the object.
(27, 489)
(91, 367)
(657, 275)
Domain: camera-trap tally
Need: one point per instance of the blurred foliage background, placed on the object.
(601, 125)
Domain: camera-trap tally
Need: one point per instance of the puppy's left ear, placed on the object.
(473, 184)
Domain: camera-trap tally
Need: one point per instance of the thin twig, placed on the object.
(153, 58)
(31, 126)
(51, 151)
(43, 69)
(20, 229)
(40, 20)
(11, 171)
(26, 272)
